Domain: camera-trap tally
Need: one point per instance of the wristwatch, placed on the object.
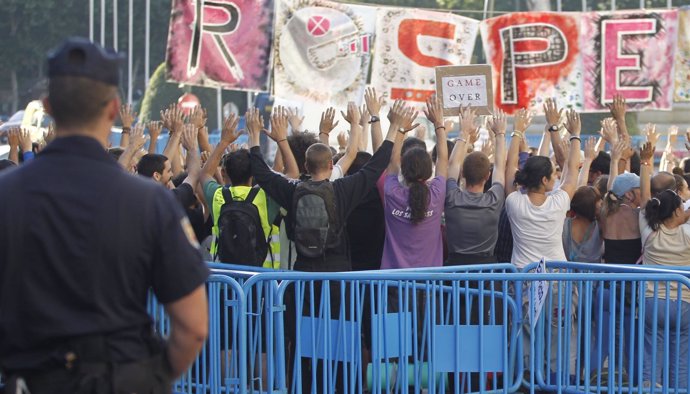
(374, 119)
(553, 128)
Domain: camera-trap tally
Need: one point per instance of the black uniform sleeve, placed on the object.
(178, 267)
(185, 195)
(279, 188)
(351, 189)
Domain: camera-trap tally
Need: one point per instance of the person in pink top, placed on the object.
(413, 207)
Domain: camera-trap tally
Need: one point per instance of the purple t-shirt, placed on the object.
(412, 245)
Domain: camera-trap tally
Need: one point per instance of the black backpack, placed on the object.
(315, 223)
(241, 238)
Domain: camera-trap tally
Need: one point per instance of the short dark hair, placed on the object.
(601, 163)
(238, 167)
(584, 202)
(601, 183)
(299, 143)
(317, 157)
(661, 207)
(116, 152)
(475, 168)
(412, 142)
(535, 168)
(151, 163)
(77, 101)
(434, 154)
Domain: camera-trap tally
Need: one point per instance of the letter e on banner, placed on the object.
(614, 61)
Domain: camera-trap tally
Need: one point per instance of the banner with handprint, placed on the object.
(322, 50)
(682, 72)
(220, 43)
(410, 43)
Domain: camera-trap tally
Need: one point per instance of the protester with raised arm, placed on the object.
(98, 240)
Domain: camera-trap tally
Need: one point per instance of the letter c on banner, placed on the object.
(613, 60)
(409, 32)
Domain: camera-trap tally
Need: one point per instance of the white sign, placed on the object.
(464, 90)
(538, 296)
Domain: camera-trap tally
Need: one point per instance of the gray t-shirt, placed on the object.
(472, 219)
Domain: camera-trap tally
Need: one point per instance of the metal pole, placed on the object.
(669, 3)
(559, 5)
(641, 4)
(130, 44)
(102, 23)
(219, 104)
(147, 42)
(91, 20)
(486, 9)
(584, 5)
(613, 5)
(115, 24)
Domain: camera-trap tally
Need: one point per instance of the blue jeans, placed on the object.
(677, 338)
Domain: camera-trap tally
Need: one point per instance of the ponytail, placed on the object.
(661, 208)
(416, 168)
(418, 200)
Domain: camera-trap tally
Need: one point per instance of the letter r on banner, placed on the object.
(216, 30)
(528, 46)
(613, 60)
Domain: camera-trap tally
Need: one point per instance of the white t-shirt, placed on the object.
(337, 173)
(537, 230)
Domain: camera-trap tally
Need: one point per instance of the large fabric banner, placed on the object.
(322, 50)
(629, 53)
(534, 56)
(220, 43)
(682, 71)
(410, 43)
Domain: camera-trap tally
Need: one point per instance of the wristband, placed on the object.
(517, 134)
(323, 133)
(374, 119)
(575, 137)
(126, 130)
(553, 128)
(441, 127)
(460, 139)
(279, 141)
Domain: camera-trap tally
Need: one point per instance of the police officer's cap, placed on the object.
(79, 57)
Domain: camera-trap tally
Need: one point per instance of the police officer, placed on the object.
(81, 244)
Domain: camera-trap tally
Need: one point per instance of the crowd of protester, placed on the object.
(325, 208)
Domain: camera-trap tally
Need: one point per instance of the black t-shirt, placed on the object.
(195, 212)
(82, 242)
(366, 230)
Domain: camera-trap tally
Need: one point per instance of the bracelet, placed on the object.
(645, 163)
(441, 127)
(401, 130)
(323, 133)
(279, 141)
(575, 137)
(517, 134)
(126, 130)
(460, 139)
(497, 134)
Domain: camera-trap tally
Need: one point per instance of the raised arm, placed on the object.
(646, 162)
(668, 159)
(553, 125)
(295, 120)
(198, 118)
(137, 141)
(497, 127)
(326, 125)
(590, 153)
(374, 104)
(467, 126)
(545, 144)
(434, 112)
(278, 133)
(193, 162)
(401, 118)
(616, 156)
(13, 141)
(572, 124)
(522, 121)
(26, 145)
(154, 131)
(353, 118)
(173, 120)
(127, 116)
(364, 119)
(228, 135)
(618, 112)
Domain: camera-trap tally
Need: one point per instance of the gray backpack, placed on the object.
(315, 222)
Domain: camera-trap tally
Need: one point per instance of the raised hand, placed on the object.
(342, 140)
(609, 130)
(590, 149)
(488, 147)
(13, 137)
(647, 153)
(205, 155)
(373, 102)
(552, 113)
(279, 125)
(672, 135)
(351, 117)
(402, 117)
(572, 123)
(326, 125)
(651, 134)
(523, 118)
(618, 150)
(294, 119)
(364, 115)
(25, 140)
(51, 133)
(468, 123)
(127, 115)
(173, 118)
(189, 137)
(137, 139)
(198, 117)
(434, 111)
(420, 132)
(155, 127)
(497, 123)
(617, 108)
(229, 132)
